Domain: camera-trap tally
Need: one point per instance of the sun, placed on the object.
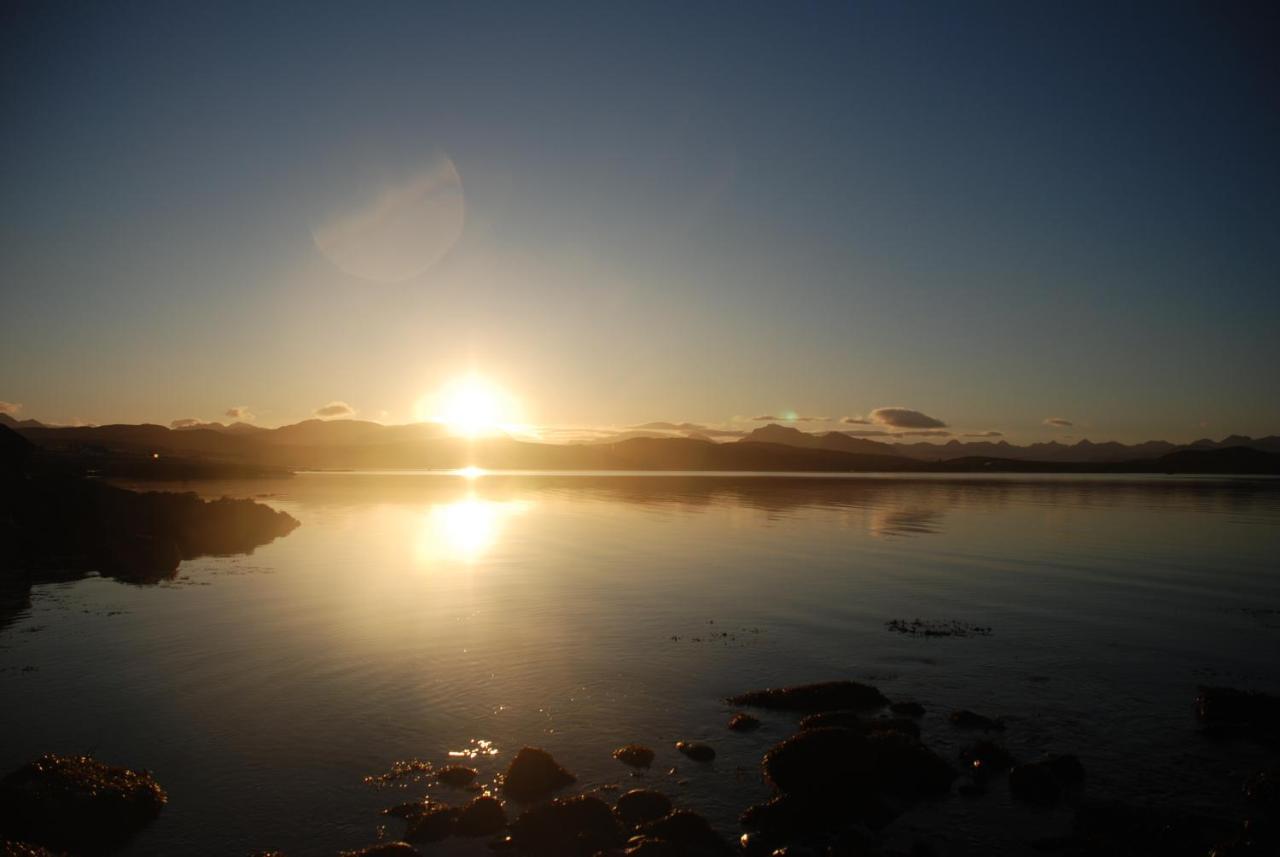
(472, 407)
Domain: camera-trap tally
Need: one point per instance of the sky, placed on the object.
(1050, 220)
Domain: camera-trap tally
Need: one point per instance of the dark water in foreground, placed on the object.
(417, 615)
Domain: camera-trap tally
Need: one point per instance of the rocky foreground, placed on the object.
(855, 763)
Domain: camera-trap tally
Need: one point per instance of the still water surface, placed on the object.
(415, 615)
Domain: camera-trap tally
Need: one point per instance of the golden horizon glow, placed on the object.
(471, 406)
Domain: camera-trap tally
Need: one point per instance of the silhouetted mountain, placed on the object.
(234, 428)
(11, 422)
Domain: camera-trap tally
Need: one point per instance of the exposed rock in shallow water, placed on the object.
(743, 723)
(433, 825)
(1044, 781)
(691, 832)
(77, 803)
(1227, 711)
(826, 696)
(639, 806)
(456, 775)
(579, 825)
(23, 849)
(648, 846)
(635, 755)
(866, 725)
(533, 774)
(483, 816)
(966, 719)
(696, 750)
(385, 849)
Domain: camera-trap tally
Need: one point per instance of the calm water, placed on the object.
(415, 615)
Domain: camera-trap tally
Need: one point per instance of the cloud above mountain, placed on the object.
(709, 431)
(10, 408)
(1058, 422)
(856, 421)
(789, 418)
(984, 434)
(906, 418)
(335, 410)
(240, 413)
(186, 422)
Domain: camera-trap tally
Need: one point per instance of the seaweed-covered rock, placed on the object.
(635, 755)
(696, 750)
(1045, 780)
(741, 722)
(385, 849)
(456, 775)
(825, 696)
(1227, 711)
(77, 803)
(966, 719)
(640, 806)
(579, 825)
(438, 822)
(691, 832)
(533, 774)
(483, 816)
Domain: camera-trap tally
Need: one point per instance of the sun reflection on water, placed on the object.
(463, 531)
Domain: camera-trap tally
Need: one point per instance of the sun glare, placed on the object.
(471, 407)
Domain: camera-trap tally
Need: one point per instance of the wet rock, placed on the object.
(456, 775)
(1227, 711)
(907, 769)
(483, 816)
(409, 810)
(648, 846)
(743, 723)
(696, 750)
(436, 823)
(579, 825)
(640, 806)
(966, 719)
(1044, 781)
(691, 832)
(385, 849)
(790, 817)
(23, 849)
(986, 757)
(635, 755)
(818, 761)
(533, 774)
(907, 709)
(866, 725)
(826, 696)
(77, 803)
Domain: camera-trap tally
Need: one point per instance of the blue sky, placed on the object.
(993, 214)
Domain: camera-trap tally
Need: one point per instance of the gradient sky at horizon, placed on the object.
(995, 214)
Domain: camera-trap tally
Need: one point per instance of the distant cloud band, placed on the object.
(334, 410)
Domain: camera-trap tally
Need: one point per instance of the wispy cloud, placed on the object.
(789, 418)
(984, 434)
(709, 431)
(1058, 422)
(10, 408)
(923, 433)
(186, 422)
(905, 418)
(240, 413)
(856, 421)
(335, 410)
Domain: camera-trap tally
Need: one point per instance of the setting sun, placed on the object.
(470, 407)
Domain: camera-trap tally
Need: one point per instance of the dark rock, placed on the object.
(533, 774)
(691, 832)
(23, 849)
(456, 775)
(635, 755)
(819, 761)
(907, 769)
(743, 723)
(826, 696)
(640, 806)
(1264, 787)
(790, 816)
(437, 823)
(696, 750)
(1045, 780)
(1227, 711)
(483, 816)
(1120, 830)
(866, 725)
(966, 719)
(579, 825)
(77, 803)
(385, 849)
(408, 810)
(648, 846)
(907, 709)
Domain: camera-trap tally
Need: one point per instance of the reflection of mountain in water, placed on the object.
(55, 525)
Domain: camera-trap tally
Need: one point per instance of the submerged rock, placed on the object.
(743, 723)
(696, 750)
(1227, 711)
(483, 816)
(579, 825)
(966, 719)
(1044, 781)
(635, 755)
(533, 774)
(456, 775)
(77, 803)
(639, 806)
(826, 696)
